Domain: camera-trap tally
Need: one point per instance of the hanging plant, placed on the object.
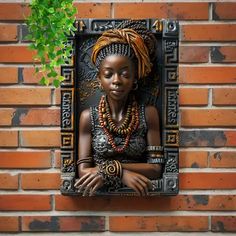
(49, 24)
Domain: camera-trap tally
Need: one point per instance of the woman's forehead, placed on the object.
(116, 61)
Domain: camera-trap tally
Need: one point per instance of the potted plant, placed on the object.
(49, 24)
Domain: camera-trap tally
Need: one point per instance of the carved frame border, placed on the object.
(168, 30)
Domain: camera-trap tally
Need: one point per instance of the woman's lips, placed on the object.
(117, 92)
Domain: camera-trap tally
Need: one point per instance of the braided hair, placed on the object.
(131, 39)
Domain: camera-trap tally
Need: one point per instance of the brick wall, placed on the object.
(30, 135)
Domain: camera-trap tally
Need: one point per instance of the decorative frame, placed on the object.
(78, 90)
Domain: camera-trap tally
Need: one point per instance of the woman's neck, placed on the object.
(117, 108)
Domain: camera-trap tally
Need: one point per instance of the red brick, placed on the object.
(207, 138)
(224, 11)
(29, 76)
(8, 75)
(222, 159)
(158, 223)
(8, 181)
(93, 10)
(188, 11)
(37, 116)
(57, 159)
(231, 138)
(223, 224)
(224, 96)
(8, 138)
(40, 181)
(207, 181)
(13, 11)
(193, 159)
(193, 54)
(209, 32)
(27, 202)
(155, 203)
(57, 96)
(223, 203)
(63, 223)
(193, 96)
(25, 96)
(25, 160)
(208, 118)
(9, 223)
(6, 115)
(40, 138)
(16, 54)
(207, 75)
(223, 54)
(8, 33)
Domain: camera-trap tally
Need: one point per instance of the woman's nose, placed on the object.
(116, 79)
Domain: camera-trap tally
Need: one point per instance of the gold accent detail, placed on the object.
(82, 26)
(67, 162)
(87, 89)
(158, 25)
(172, 138)
(67, 140)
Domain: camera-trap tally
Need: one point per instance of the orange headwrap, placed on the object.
(126, 36)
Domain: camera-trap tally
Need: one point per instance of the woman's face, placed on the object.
(117, 75)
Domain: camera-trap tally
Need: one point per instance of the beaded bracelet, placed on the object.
(154, 148)
(158, 160)
(155, 155)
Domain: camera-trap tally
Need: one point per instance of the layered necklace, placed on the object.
(130, 123)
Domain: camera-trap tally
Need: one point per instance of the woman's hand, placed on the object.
(139, 183)
(90, 182)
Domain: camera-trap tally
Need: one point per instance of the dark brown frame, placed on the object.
(167, 34)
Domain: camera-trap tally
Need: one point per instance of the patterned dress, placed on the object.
(102, 150)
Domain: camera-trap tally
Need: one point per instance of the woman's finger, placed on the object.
(81, 180)
(95, 188)
(90, 185)
(144, 187)
(85, 183)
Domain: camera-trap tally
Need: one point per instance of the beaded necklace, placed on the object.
(130, 123)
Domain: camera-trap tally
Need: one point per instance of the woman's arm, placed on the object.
(85, 140)
(89, 180)
(151, 171)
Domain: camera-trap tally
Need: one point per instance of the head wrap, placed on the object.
(129, 41)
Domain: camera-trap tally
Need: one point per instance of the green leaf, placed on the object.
(44, 81)
(51, 10)
(61, 78)
(56, 83)
(53, 73)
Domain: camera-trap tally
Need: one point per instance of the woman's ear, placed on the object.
(99, 82)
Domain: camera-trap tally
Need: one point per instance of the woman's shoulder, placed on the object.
(85, 114)
(151, 114)
(85, 120)
(149, 109)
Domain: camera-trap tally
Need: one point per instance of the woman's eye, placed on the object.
(107, 74)
(125, 74)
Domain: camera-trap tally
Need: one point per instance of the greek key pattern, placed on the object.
(68, 73)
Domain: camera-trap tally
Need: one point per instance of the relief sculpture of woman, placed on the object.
(119, 140)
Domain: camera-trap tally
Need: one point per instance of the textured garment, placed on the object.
(102, 150)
